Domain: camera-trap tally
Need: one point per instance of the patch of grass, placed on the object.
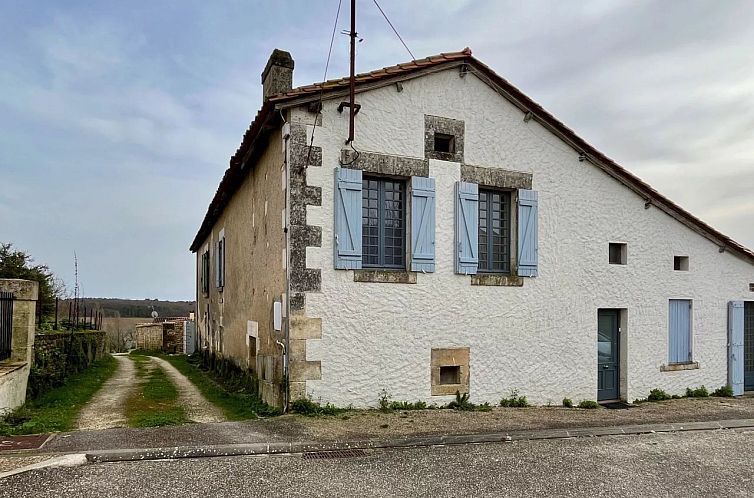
(588, 404)
(514, 400)
(699, 392)
(155, 402)
(724, 392)
(567, 403)
(309, 408)
(58, 408)
(238, 401)
(658, 395)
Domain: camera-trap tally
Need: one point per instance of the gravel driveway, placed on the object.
(107, 408)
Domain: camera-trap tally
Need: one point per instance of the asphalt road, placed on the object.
(712, 463)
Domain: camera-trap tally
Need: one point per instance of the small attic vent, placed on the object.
(751, 287)
(445, 143)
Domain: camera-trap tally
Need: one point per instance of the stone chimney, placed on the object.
(277, 76)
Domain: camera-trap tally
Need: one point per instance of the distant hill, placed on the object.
(136, 308)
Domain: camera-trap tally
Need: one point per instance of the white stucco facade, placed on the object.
(539, 338)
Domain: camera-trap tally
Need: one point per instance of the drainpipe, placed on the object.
(286, 347)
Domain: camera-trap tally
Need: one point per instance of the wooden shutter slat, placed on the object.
(348, 184)
(528, 236)
(736, 346)
(422, 224)
(467, 228)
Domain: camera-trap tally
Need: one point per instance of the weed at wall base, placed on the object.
(588, 404)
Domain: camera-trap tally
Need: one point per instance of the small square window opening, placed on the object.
(681, 263)
(751, 287)
(618, 253)
(450, 375)
(445, 143)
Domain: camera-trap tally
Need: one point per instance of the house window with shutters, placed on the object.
(383, 218)
(494, 231)
(220, 262)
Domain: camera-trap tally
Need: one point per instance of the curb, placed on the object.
(281, 448)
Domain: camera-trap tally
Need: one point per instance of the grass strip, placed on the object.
(58, 408)
(235, 405)
(155, 402)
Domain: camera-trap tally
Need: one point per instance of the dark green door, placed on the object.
(749, 345)
(608, 356)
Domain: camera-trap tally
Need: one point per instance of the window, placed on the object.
(205, 272)
(383, 232)
(450, 375)
(679, 324)
(494, 231)
(445, 143)
(681, 263)
(751, 287)
(617, 253)
(221, 262)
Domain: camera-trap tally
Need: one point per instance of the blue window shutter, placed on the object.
(347, 219)
(422, 224)
(467, 228)
(528, 238)
(679, 322)
(736, 346)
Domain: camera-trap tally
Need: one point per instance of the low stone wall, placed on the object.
(59, 354)
(149, 336)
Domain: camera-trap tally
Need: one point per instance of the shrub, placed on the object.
(658, 395)
(514, 400)
(699, 392)
(567, 403)
(405, 405)
(384, 399)
(309, 408)
(461, 402)
(588, 404)
(484, 407)
(724, 392)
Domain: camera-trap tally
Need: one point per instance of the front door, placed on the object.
(608, 356)
(749, 345)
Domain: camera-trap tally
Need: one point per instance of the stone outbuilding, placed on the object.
(466, 241)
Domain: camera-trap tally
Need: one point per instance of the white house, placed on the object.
(466, 241)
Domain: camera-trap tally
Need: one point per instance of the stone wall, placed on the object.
(60, 354)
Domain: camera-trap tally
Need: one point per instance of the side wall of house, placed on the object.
(229, 318)
(541, 337)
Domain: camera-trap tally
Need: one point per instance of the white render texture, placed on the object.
(540, 338)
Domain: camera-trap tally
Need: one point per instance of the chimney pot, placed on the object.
(277, 76)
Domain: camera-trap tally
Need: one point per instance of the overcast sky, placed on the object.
(117, 119)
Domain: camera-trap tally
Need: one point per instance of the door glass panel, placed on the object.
(605, 339)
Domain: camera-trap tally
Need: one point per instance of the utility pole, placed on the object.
(352, 82)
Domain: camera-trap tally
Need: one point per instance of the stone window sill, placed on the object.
(449, 389)
(498, 280)
(385, 276)
(673, 367)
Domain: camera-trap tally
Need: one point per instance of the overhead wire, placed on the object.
(394, 30)
(324, 78)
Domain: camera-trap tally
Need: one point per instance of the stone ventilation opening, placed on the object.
(450, 375)
(445, 143)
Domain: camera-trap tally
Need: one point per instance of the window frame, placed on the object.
(205, 272)
(484, 267)
(623, 256)
(221, 262)
(381, 237)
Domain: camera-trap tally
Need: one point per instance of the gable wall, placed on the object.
(539, 338)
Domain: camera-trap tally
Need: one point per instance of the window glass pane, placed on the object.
(494, 231)
(383, 218)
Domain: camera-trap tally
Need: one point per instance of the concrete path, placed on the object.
(107, 408)
(198, 409)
